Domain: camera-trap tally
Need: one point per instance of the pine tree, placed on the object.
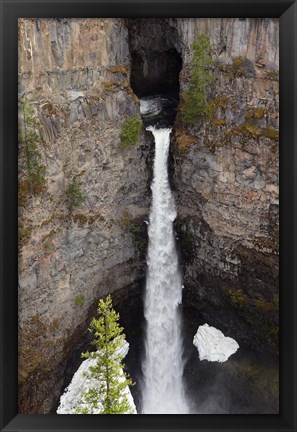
(29, 152)
(109, 395)
(75, 195)
(196, 98)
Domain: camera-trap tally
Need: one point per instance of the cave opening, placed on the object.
(155, 66)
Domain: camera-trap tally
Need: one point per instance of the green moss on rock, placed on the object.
(184, 141)
(237, 298)
(255, 113)
(271, 133)
(131, 131)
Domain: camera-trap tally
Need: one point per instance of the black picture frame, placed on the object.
(286, 10)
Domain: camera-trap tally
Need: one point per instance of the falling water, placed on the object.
(163, 366)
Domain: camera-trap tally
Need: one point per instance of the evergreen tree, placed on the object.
(29, 152)
(196, 98)
(75, 195)
(109, 395)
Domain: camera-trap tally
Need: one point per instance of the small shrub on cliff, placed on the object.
(79, 300)
(75, 195)
(129, 224)
(238, 66)
(30, 156)
(237, 297)
(120, 68)
(48, 245)
(131, 131)
(184, 142)
(135, 229)
(108, 396)
(196, 103)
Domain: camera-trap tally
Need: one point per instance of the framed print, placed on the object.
(148, 205)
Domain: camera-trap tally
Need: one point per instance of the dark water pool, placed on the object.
(248, 383)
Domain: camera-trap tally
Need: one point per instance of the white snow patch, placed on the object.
(212, 345)
(79, 383)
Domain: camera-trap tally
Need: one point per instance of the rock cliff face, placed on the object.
(224, 169)
(77, 74)
(225, 175)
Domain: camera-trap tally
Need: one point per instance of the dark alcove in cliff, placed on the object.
(155, 62)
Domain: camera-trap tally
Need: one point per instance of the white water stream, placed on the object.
(163, 365)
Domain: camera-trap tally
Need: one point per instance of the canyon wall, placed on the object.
(225, 176)
(224, 167)
(75, 74)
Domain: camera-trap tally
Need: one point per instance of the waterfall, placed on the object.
(163, 366)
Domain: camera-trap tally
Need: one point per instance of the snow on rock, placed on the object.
(212, 345)
(79, 383)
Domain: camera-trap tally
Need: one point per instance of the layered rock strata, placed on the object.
(225, 175)
(75, 74)
(224, 168)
